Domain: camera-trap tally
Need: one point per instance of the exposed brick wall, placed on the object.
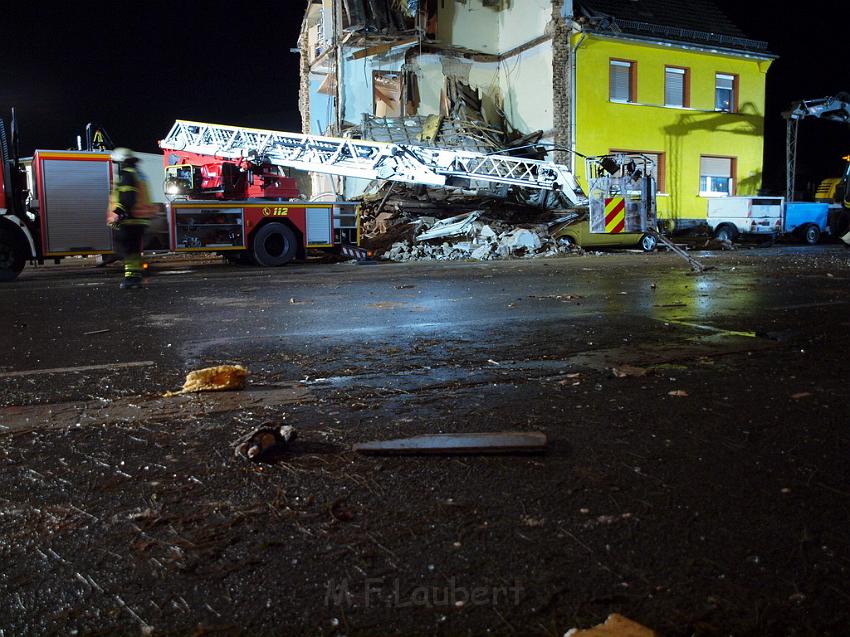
(561, 79)
(304, 87)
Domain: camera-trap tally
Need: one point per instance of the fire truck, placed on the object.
(219, 163)
(53, 204)
(249, 210)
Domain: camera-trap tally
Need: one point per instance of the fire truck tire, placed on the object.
(273, 244)
(13, 255)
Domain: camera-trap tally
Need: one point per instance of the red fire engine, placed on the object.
(248, 209)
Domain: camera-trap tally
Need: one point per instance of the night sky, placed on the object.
(136, 67)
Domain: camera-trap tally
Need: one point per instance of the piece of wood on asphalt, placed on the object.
(615, 626)
(467, 443)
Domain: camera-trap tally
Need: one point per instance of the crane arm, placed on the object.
(835, 108)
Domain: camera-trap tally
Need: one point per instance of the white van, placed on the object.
(731, 217)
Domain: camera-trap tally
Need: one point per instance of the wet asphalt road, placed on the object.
(735, 403)
(334, 316)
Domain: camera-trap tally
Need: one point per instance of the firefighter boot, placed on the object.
(132, 272)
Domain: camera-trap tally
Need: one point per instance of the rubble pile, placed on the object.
(468, 236)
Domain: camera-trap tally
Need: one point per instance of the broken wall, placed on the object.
(520, 85)
(432, 69)
(526, 84)
(357, 88)
(322, 108)
(481, 25)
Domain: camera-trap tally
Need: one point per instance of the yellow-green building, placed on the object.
(677, 82)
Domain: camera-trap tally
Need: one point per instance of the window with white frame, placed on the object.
(716, 176)
(724, 93)
(622, 81)
(675, 87)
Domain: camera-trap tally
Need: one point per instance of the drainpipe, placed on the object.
(338, 182)
(573, 93)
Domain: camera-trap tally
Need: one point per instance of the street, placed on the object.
(695, 479)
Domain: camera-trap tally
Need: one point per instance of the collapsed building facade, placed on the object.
(671, 80)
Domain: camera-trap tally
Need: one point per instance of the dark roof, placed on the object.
(692, 21)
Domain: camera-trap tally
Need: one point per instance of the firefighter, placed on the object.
(129, 212)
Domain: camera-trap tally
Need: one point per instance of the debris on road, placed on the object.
(265, 442)
(408, 224)
(615, 626)
(469, 237)
(629, 370)
(92, 333)
(451, 227)
(500, 442)
(802, 394)
(219, 378)
(678, 393)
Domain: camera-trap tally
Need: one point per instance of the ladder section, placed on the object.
(368, 159)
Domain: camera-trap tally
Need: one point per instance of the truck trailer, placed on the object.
(768, 217)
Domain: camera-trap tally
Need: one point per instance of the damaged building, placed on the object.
(672, 80)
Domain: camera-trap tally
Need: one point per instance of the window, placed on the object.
(676, 87)
(656, 169)
(623, 81)
(716, 176)
(725, 89)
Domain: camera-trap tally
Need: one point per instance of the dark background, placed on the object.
(136, 67)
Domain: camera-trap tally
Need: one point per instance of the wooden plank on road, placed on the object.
(499, 442)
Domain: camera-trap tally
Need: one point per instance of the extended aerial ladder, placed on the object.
(369, 159)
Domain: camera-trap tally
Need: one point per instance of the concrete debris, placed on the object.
(522, 241)
(219, 378)
(629, 370)
(469, 238)
(615, 626)
(264, 443)
(451, 227)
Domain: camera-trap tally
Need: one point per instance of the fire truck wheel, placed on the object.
(273, 244)
(12, 257)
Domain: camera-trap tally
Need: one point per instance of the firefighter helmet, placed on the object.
(122, 154)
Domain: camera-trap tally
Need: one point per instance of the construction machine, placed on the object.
(834, 190)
